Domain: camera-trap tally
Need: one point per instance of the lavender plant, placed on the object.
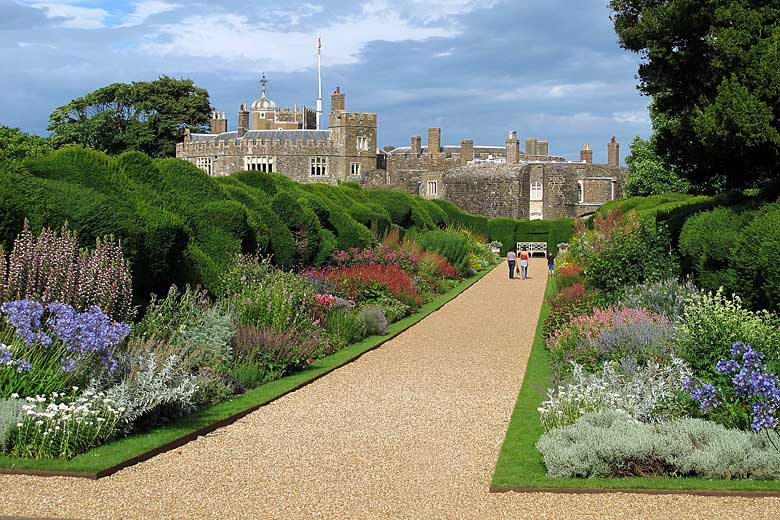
(665, 297)
(63, 425)
(754, 392)
(52, 268)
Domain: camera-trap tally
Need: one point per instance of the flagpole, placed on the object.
(319, 83)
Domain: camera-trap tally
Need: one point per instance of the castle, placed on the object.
(496, 181)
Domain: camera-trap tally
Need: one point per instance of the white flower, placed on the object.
(14, 396)
(74, 388)
(18, 425)
(38, 422)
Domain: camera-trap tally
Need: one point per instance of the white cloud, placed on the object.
(632, 117)
(232, 38)
(553, 91)
(144, 9)
(75, 16)
(432, 10)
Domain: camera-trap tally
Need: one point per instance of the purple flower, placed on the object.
(25, 316)
(6, 357)
(22, 365)
(68, 364)
(706, 394)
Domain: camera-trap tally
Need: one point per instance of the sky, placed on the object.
(477, 69)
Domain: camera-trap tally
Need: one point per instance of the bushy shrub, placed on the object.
(622, 251)
(366, 283)
(64, 425)
(610, 335)
(155, 386)
(346, 325)
(568, 274)
(394, 309)
(610, 444)
(667, 297)
(374, 320)
(10, 413)
(274, 353)
(754, 258)
(51, 267)
(646, 393)
(567, 304)
(712, 323)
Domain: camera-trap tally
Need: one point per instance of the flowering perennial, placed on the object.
(63, 425)
(753, 387)
(366, 281)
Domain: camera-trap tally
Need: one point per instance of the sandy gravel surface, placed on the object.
(409, 431)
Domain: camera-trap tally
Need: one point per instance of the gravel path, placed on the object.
(411, 430)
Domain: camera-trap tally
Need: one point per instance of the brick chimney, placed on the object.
(530, 146)
(512, 149)
(243, 121)
(338, 100)
(434, 141)
(218, 122)
(586, 154)
(416, 145)
(542, 148)
(467, 150)
(613, 152)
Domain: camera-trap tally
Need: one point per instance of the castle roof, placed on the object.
(445, 149)
(273, 135)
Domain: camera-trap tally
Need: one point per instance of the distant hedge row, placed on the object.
(178, 225)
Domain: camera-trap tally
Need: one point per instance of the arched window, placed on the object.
(580, 193)
(537, 191)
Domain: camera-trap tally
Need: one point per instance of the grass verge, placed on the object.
(111, 457)
(520, 466)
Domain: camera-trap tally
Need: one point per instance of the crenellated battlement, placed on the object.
(352, 119)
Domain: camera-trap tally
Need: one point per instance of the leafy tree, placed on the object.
(647, 173)
(15, 144)
(713, 69)
(148, 116)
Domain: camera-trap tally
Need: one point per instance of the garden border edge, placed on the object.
(440, 302)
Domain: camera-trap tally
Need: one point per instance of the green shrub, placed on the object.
(754, 258)
(345, 324)
(712, 323)
(451, 244)
(610, 444)
(458, 217)
(504, 231)
(374, 320)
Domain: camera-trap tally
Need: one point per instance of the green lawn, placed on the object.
(520, 465)
(100, 461)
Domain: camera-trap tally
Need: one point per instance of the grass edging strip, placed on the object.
(520, 468)
(119, 454)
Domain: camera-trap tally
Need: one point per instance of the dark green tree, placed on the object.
(15, 144)
(713, 70)
(147, 116)
(647, 173)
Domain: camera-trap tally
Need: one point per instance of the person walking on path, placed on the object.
(511, 259)
(524, 259)
(550, 264)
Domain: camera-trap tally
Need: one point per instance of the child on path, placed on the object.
(550, 264)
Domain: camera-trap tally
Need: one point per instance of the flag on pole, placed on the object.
(319, 44)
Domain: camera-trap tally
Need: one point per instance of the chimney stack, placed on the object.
(586, 154)
(530, 146)
(613, 152)
(542, 148)
(416, 145)
(467, 150)
(512, 149)
(243, 121)
(434, 141)
(338, 101)
(218, 123)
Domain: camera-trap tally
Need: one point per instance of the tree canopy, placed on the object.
(647, 173)
(713, 70)
(147, 116)
(15, 144)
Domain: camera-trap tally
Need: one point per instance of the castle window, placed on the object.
(205, 164)
(433, 188)
(580, 192)
(319, 166)
(537, 191)
(262, 163)
(362, 143)
(354, 168)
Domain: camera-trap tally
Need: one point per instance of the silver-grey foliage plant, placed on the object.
(665, 297)
(608, 444)
(10, 413)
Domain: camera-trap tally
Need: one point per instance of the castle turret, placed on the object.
(530, 146)
(467, 150)
(434, 141)
(586, 154)
(243, 120)
(613, 152)
(512, 149)
(416, 145)
(542, 148)
(338, 100)
(218, 122)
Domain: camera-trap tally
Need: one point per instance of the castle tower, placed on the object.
(243, 120)
(613, 152)
(530, 146)
(586, 154)
(218, 122)
(512, 149)
(467, 150)
(434, 141)
(416, 145)
(338, 101)
(542, 148)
